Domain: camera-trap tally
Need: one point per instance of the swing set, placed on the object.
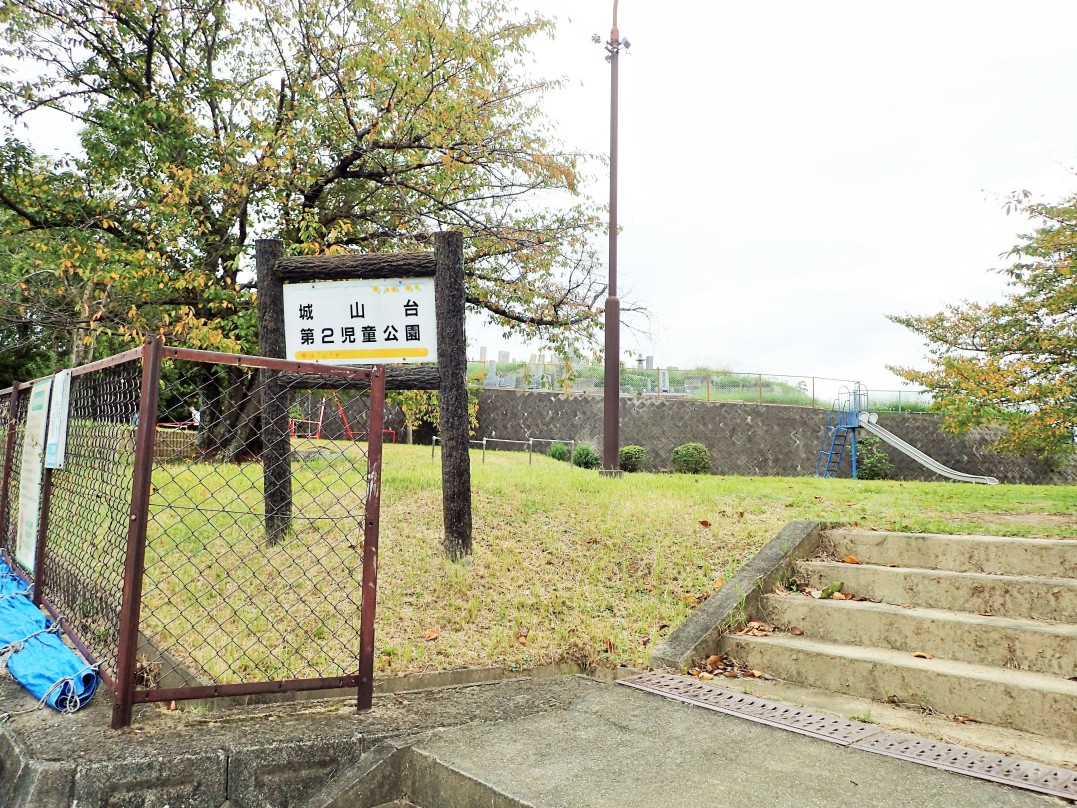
(312, 429)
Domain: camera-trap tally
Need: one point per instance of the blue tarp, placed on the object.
(36, 655)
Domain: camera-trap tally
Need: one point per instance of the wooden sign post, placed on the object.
(446, 266)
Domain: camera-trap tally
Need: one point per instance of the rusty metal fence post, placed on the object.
(152, 353)
(365, 697)
(9, 450)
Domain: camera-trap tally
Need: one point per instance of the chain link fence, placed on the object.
(229, 600)
(193, 543)
(698, 384)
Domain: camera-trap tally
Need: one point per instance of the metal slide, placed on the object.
(867, 421)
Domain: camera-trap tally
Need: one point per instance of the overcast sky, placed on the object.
(792, 172)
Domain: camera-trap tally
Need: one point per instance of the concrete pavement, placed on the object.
(561, 742)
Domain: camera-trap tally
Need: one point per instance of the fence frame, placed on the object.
(122, 681)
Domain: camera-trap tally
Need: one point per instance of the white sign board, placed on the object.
(56, 437)
(33, 448)
(389, 320)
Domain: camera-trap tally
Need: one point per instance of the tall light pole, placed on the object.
(611, 384)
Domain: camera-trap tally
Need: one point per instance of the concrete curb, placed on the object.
(377, 778)
(739, 599)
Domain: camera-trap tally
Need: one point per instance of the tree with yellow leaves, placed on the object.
(338, 125)
(1014, 361)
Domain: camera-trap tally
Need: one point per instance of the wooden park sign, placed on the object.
(342, 311)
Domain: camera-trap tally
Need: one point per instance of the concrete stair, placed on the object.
(992, 621)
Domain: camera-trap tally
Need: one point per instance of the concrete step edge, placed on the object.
(1031, 702)
(1018, 643)
(1052, 599)
(937, 665)
(987, 554)
(976, 538)
(1054, 628)
(1036, 580)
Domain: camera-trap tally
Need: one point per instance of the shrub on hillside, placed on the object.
(558, 451)
(691, 458)
(632, 458)
(586, 457)
(872, 462)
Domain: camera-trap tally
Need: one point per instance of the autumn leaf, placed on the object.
(796, 631)
(706, 677)
(704, 522)
(922, 655)
(851, 559)
(718, 583)
(431, 634)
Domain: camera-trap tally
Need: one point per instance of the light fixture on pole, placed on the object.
(611, 383)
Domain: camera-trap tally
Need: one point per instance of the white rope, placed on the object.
(14, 647)
(72, 704)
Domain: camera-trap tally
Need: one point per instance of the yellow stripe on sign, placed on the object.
(364, 353)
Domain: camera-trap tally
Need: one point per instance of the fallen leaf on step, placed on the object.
(964, 719)
(706, 677)
(756, 674)
(796, 631)
(757, 628)
(922, 655)
(714, 660)
(839, 596)
(851, 559)
(987, 614)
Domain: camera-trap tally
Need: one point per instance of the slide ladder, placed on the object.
(840, 423)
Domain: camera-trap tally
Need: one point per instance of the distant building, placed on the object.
(482, 354)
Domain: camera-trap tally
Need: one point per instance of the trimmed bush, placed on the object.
(632, 458)
(558, 451)
(691, 458)
(872, 462)
(586, 457)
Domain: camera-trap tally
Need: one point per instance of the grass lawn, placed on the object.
(571, 566)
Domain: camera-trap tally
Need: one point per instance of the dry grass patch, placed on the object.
(567, 565)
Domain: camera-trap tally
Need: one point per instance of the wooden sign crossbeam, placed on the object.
(446, 265)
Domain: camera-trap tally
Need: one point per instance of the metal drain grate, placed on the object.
(856, 735)
(985, 765)
(796, 719)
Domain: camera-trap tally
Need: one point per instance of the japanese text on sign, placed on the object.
(361, 322)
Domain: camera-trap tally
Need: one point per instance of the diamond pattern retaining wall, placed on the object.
(746, 439)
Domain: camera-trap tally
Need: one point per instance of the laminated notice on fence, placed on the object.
(33, 447)
(361, 322)
(56, 436)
